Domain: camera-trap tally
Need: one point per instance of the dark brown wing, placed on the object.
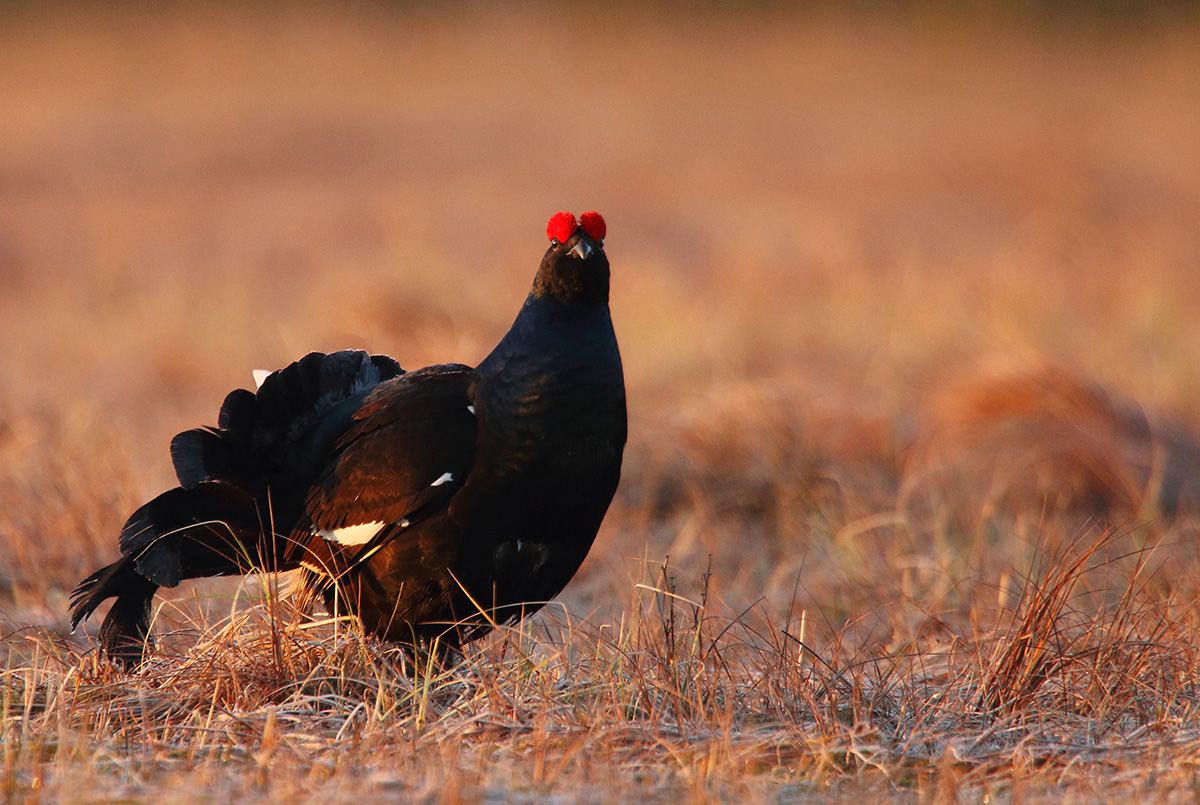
(408, 450)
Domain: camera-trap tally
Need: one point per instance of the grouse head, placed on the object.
(575, 268)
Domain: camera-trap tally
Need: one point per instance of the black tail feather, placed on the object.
(261, 435)
(212, 529)
(204, 454)
(240, 484)
(300, 394)
(127, 624)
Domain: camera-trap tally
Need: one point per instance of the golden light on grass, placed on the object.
(846, 560)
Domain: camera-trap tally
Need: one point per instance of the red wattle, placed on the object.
(593, 224)
(562, 225)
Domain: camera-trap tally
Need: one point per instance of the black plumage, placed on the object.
(430, 504)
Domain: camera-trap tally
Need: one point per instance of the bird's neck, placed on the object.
(573, 282)
(555, 333)
(557, 365)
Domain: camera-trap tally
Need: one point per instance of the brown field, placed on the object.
(908, 307)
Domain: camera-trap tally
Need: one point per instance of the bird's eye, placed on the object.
(554, 244)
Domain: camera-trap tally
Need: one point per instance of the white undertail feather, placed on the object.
(290, 583)
(352, 534)
(445, 478)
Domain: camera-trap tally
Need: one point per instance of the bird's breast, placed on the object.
(551, 436)
(566, 418)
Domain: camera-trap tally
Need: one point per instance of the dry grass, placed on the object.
(844, 561)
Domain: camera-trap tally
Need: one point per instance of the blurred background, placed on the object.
(820, 216)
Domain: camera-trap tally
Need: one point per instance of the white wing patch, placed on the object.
(471, 408)
(353, 534)
(259, 376)
(445, 478)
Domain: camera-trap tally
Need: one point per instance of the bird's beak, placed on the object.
(583, 249)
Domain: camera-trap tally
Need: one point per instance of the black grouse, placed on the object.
(429, 504)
